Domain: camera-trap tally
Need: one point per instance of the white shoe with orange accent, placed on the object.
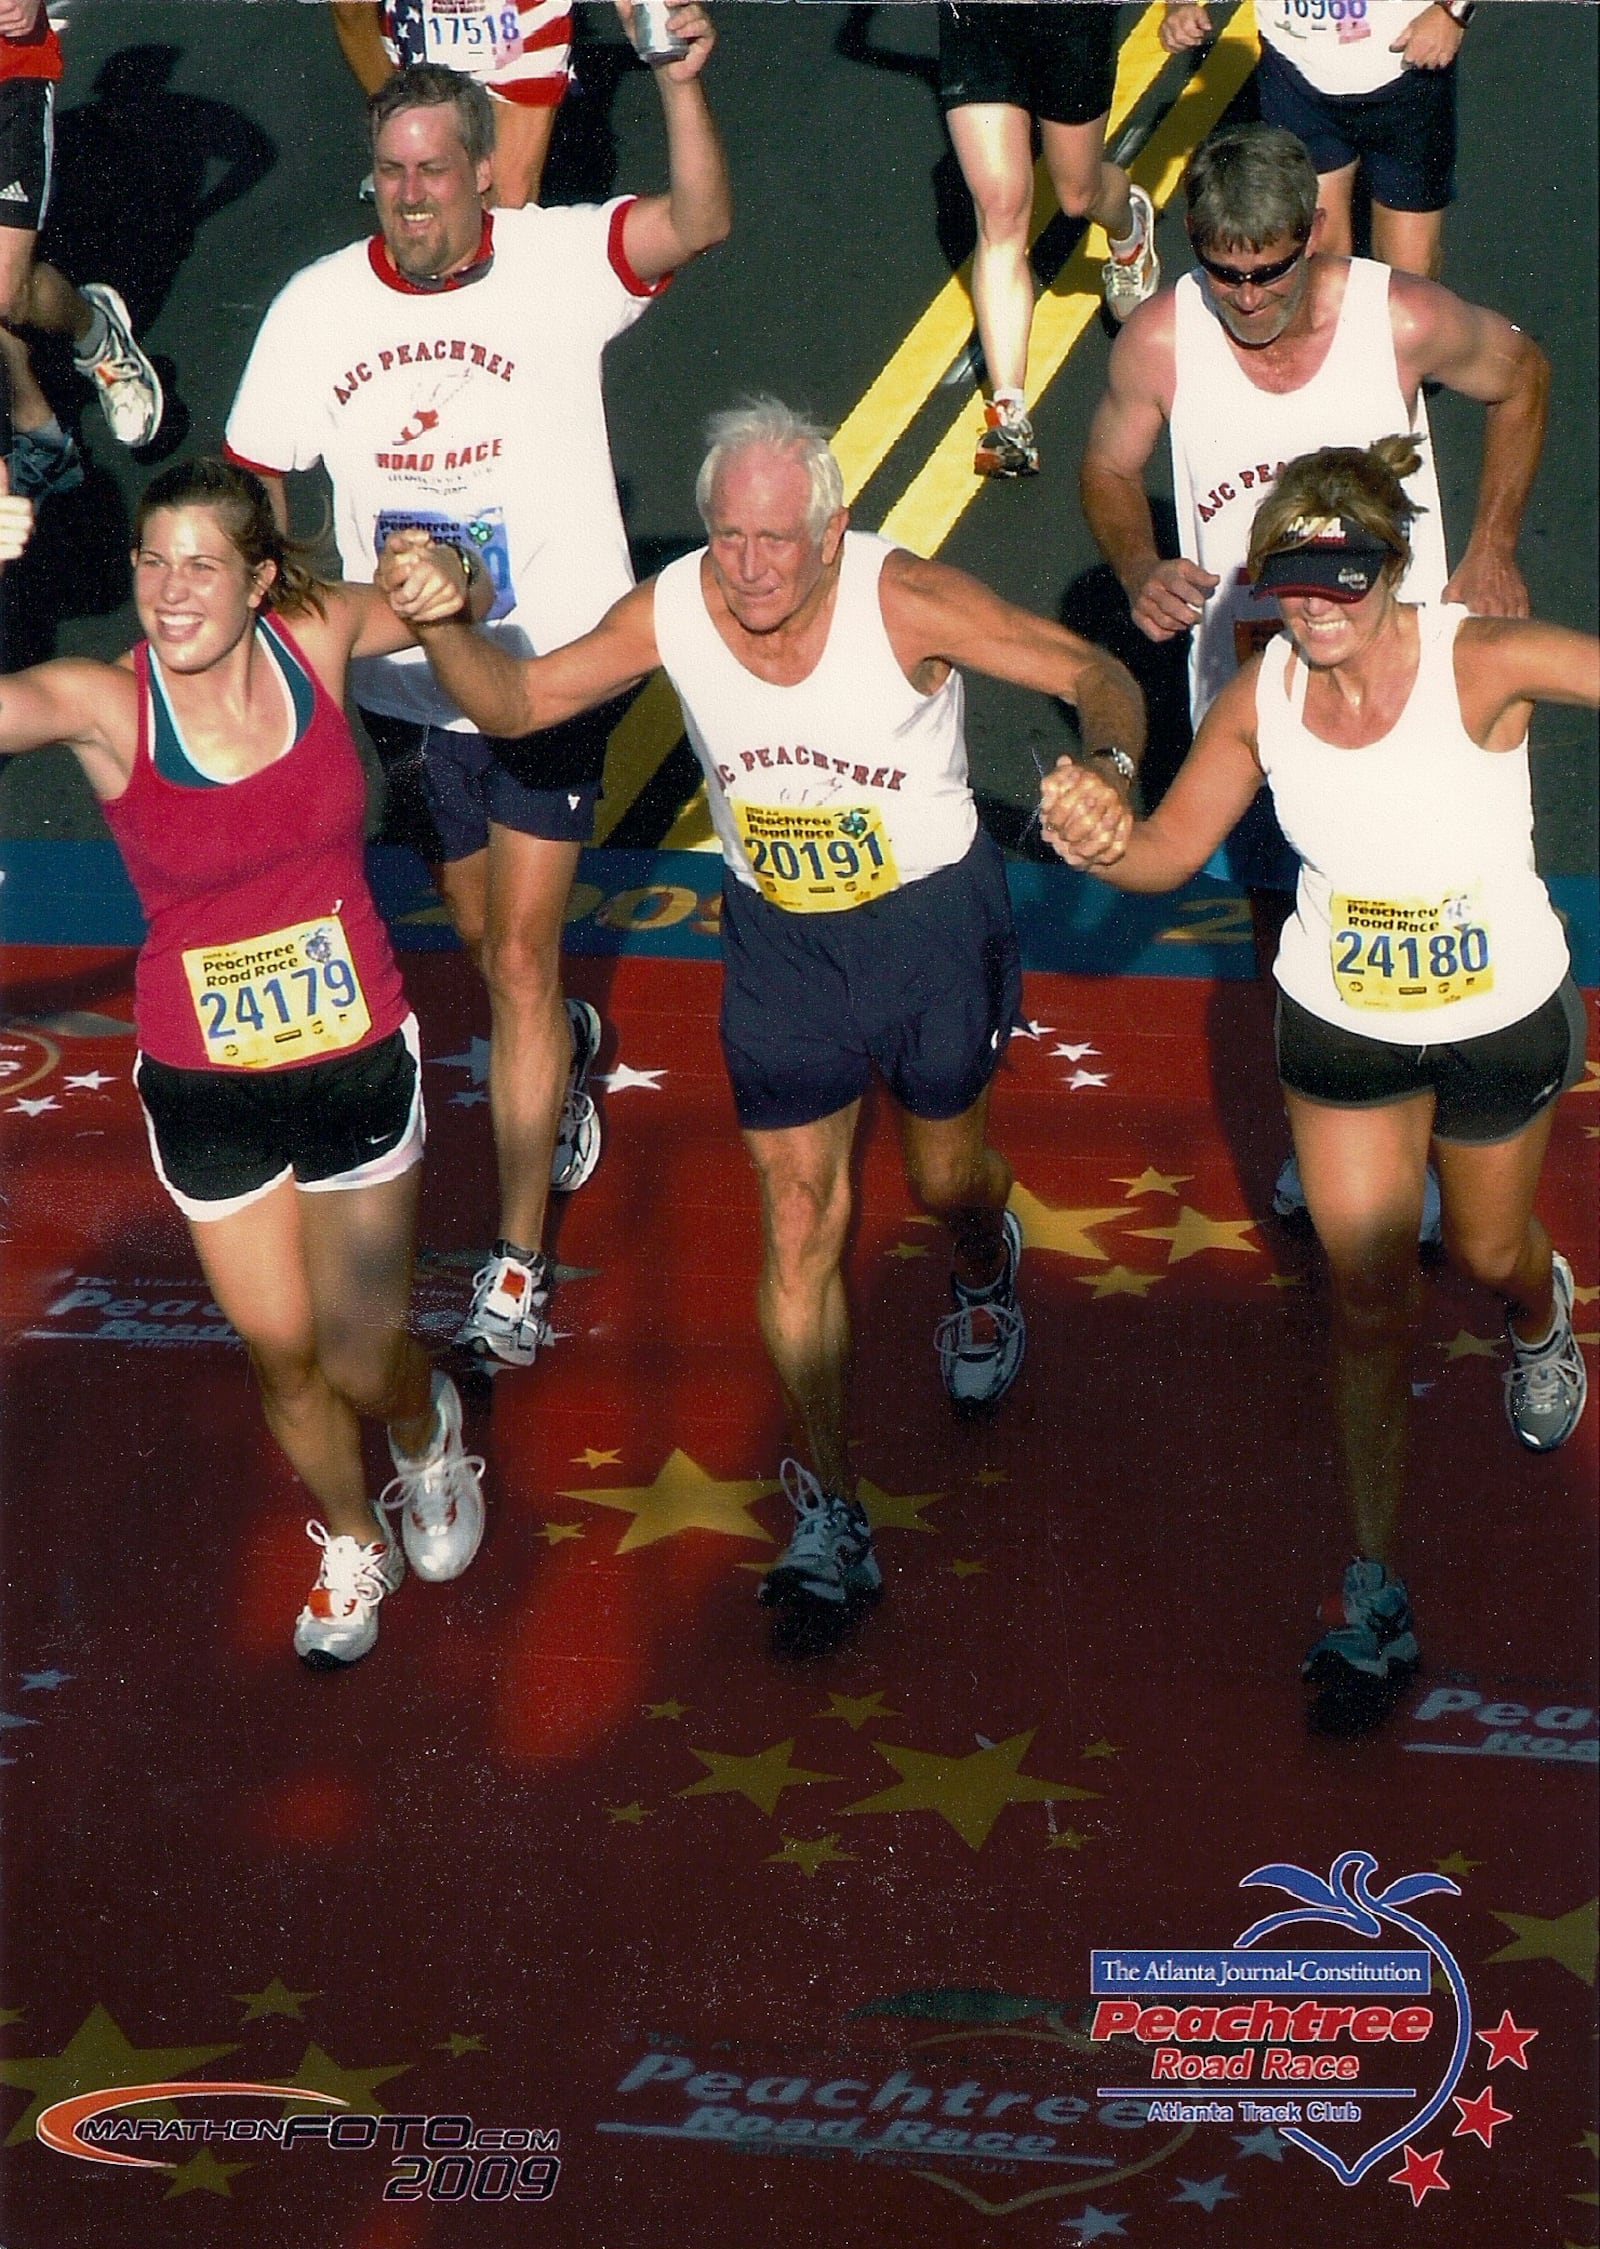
(339, 1623)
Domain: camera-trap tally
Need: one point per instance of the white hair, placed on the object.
(768, 423)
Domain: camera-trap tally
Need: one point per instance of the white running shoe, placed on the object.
(440, 1496)
(339, 1623)
(1548, 1382)
(125, 382)
(509, 1301)
(1128, 282)
(578, 1134)
(981, 1343)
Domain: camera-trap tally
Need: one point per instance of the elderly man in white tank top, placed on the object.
(866, 925)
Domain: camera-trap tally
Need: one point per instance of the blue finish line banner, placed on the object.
(668, 903)
(1258, 1971)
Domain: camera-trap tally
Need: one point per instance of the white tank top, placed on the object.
(1419, 917)
(1339, 46)
(841, 788)
(1230, 439)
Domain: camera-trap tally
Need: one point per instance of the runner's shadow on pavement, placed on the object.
(139, 170)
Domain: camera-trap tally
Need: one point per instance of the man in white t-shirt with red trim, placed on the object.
(448, 376)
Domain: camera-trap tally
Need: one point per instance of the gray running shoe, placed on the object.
(830, 1557)
(981, 1343)
(1129, 282)
(1007, 447)
(125, 382)
(578, 1134)
(1371, 1634)
(1547, 1384)
(507, 1319)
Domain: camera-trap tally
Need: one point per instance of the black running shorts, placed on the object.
(1057, 60)
(1484, 1090)
(27, 146)
(221, 1138)
(924, 985)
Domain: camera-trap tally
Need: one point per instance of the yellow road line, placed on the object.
(932, 505)
(945, 487)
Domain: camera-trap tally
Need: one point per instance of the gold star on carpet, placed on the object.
(276, 1999)
(1067, 1839)
(894, 1511)
(554, 1533)
(1122, 1280)
(458, 2044)
(318, 2072)
(855, 1710)
(628, 1815)
(968, 1569)
(970, 1792)
(1572, 1938)
(1589, 2142)
(1591, 1132)
(908, 1249)
(96, 2056)
(762, 1778)
(1195, 1232)
(202, 2174)
(1101, 1748)
(682, 1498)
(992, 1476)
(590, 1458)
(1065, 1231)
(1155, 1182)
(1586, 1335)
(1455, 1864)
(1585, 1295)
(8, 2016)
(1283, 1280)
(1465, 1346)
(665, 1709)
(808, 1856)
(1591, 1079)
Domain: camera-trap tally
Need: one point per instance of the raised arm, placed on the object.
(1167, 596)
(1479, 353)
(1504, 665)
(506, 695)
(1214, 786)
(662, 232)
(357, 25)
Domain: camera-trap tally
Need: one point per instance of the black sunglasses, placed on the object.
(1234, 277)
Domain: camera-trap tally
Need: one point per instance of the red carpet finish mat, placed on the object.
(576, 1918)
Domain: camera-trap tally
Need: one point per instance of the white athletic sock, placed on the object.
(94, 343)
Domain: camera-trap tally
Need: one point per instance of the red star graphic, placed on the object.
(1506, 2043)
(1480, 2116)
(1421, 2173)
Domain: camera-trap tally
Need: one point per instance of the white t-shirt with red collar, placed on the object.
(475, 409)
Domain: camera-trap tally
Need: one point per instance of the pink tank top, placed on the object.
(264, 948)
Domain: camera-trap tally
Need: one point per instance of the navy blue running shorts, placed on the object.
(444, 787)
(1057, 60)
(924, 984)
(1403, 136)
(1485, 1090)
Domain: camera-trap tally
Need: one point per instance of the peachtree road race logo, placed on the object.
(1286, 2019)
(431, 2158)
(89, 1308)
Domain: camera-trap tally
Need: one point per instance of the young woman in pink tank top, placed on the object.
(278, 1063)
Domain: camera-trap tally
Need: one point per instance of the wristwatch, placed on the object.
(1120, 759)
(1460, 12)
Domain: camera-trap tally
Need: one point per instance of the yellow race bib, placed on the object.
(1408, 952)
(289, 996)
(816, 859)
